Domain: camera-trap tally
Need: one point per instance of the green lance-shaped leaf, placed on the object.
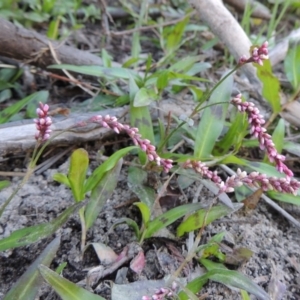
(144, 97)
(7, 113)
(29, 283)
(233, 279)
(66, 289)
(62, 178)
(203, 217)
(212, 120)
(292, 66)
(145, 211)
(113, 72)
(278, 135)
(136, 179)
(109, 164)
(233, 137)
(35, 233)
(140, 117)
(170, 217)
(271, 85)
(101, 193)
(131, 223)
(283, 197)
(77, 173)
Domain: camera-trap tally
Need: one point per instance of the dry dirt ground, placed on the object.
(275, 263)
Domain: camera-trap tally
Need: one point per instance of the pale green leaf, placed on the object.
(204, 217)
(11, 110)
(170, 217)
(109, 164)
(101, 193)
(145, 211)
(271, 85)
(212, 120)
(292, 66)
(35, 233)
(77, 173)
(27, 286)
(137, 178)
(66, 289)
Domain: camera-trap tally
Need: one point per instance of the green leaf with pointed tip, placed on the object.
(212, 121)
(11, 110)
(140, 117)
(77, 173)
(203, 217)
(170, 217)
(113, 72)
(234, 279)
(174, 37)
(292, 66)
(109, 164)
(66, 289)
(292, 147)
(32, 234)
(131, 223)
(62, 178)
(4, 184)
(271, 85)
(263, 168)
(144, 97)
(233, 137)
(162, 80)
(288, 198)
(101, 193)
(194, 286)
(145, 211)
(29, 283)
(278, 135)
(136, 182)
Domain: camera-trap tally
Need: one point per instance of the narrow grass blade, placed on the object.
(29, 283)
(7, 113)
(35, 233)
(101, 193)
(66, 289)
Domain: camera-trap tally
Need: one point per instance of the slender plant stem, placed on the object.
(198, 107)
(83, 228)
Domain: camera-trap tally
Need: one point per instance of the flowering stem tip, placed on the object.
(43, 123)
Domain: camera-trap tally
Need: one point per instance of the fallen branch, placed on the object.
(31, 47)
(227, 29)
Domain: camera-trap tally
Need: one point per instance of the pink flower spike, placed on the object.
(43, 123)
(145, 145)
(256, 121)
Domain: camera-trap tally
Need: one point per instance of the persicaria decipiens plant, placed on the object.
(255, 119)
